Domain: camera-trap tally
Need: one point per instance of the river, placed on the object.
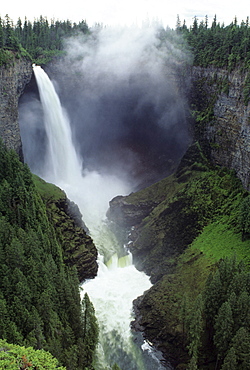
(118, 282)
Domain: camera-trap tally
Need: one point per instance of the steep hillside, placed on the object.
(182, 227)
(39, 288)
(78, 247)
(220, 105)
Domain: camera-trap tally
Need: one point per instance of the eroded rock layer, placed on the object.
(13, 79)
(225, 123)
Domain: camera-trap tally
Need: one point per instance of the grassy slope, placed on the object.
(206, 202)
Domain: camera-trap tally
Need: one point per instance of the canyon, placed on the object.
(165, 218)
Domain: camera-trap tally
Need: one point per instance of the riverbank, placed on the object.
(195, 222)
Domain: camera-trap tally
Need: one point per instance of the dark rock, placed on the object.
(77, 246)
(127, 214)
(79, 249)
(13, 79)
(74, 212)
(228, 130)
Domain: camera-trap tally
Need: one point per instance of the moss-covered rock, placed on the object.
(78, 247)
(172, 243)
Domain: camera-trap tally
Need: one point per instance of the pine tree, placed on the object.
(90, 326)
(230, 362)
(11, 41)
(195, 329)
(223, 329)
(213, 298)
(1, 34)
(241, 345)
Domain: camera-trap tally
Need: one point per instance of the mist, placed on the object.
(122, 126)
(125, 95)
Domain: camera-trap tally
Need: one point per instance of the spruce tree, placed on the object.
(230, 362)
(223, 329)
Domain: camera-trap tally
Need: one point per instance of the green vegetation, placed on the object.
(220, 240)
(40, 41)
(190, 243)
(14, 357)
(218, 45)
(197, 196)
(224, 319)
(39, 295)
(198, 229)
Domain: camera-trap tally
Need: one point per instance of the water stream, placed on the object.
(118, 282)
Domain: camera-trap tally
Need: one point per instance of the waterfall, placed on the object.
(62, 161)
(118, 282)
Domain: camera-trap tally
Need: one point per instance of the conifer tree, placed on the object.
(230, 362)
(195, 329)
(223, 329)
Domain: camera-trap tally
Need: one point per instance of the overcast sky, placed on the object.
(114, 12)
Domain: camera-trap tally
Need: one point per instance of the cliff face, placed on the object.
(172, 214)
(78, 247)
(198, 201)
(227, 129)
(13, 79)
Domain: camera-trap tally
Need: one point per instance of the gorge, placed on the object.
(197, 199)
(117, 282)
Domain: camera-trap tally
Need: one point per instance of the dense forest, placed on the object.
(40, 40)
(217, 45)
(40, 302)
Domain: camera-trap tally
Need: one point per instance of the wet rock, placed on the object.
(126, 213)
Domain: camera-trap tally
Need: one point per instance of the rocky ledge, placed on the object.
(160, 220)
(78, 247)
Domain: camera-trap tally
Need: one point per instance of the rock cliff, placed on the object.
(188, 208)
(13, 79)
(225, 119)
(78, 247)
(197, 196)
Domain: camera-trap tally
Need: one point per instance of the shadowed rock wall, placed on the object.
(13, 79)
(228, 128)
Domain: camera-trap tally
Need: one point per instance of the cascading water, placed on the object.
(117, 282)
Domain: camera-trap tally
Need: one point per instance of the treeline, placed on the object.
(40, 303)
(40, 38)
(218, 45)
(218, 322)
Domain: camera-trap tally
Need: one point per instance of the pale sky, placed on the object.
(127, 12)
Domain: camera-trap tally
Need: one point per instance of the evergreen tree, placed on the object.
(241, 345)
(1, 34)
(10, 39)
(245, 209)
(223, 329)
(213, 298)
(195, 329)
(39, 296)
(230, 362)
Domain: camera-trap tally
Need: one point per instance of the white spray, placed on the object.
(118, 282)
